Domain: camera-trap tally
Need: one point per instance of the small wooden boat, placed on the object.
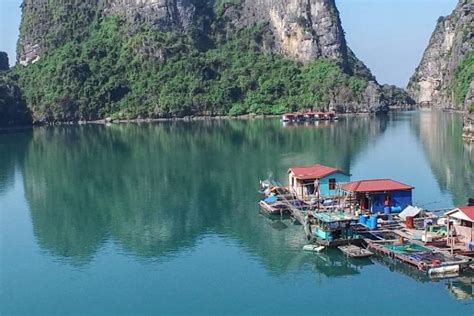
(287, 117)
(313, 248)
(354, 251)
(274, 208)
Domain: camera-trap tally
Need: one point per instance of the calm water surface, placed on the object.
(162, 218)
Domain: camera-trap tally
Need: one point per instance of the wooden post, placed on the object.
(449, 232)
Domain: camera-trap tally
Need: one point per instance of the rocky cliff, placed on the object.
(447, 68)
(303, 30)
(13, 109)
(261, 56)
(468, 127)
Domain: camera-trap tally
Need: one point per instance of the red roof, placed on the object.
(313, 172)
(468, 210)
(375, 185)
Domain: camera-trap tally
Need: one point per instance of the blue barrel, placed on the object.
(387, 210)
(363, 219)
(372, 222)
(396, 209)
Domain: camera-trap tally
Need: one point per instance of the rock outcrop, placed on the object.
(300, 29)
(468, 127)
(13, 109)
(48, 24)
(452, 40)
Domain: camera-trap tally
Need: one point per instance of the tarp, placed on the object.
(412, 211)
(271, 199)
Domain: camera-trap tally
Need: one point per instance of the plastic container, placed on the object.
(372, 222)
(387, 210)
(396, 209)
(363, 219)
(409, 222)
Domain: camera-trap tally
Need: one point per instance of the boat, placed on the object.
(332, 116)
(287, 117)
(313, 248)
(269, 187)
(276, 207)
(332, 229)
(354, 251)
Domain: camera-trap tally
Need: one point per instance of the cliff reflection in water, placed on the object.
(12, 152)
(451, 159)
(156, 188)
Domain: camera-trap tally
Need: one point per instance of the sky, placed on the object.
(389, 36)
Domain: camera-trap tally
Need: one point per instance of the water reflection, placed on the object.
(462, 288)
(451, 159)
(155, 189)
(12, 151)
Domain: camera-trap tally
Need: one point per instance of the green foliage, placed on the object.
(462, 78)
(396, 95)
(4, 64)
(13, 109)
(221, 5)
(123, 74)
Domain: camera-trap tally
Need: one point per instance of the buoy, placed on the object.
(439, 271)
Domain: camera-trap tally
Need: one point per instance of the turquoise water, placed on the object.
(162, 218)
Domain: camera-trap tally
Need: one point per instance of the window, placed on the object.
(332, 184)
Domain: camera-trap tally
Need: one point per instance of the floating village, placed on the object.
(372, 217)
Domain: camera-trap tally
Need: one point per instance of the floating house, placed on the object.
(316, 180)
(460, 223)
(379, 195)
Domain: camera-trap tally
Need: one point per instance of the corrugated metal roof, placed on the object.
(316, 171)
(467, 210)
(375, 185)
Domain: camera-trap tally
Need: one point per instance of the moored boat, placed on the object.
(354, 251)
(333, 229)
(287, 117)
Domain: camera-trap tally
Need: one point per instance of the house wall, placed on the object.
(466, 232)
(324, 183)
(299, 187)
(400, 199)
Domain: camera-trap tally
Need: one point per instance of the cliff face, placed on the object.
(13, 109)
(48, 24)
(441, 78)
(468, 127)
(300, 29)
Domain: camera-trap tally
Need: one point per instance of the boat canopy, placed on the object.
(334, 217)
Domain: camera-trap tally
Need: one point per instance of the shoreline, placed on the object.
(107, 121)
(168, 119)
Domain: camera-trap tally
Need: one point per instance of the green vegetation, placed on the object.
(13, 109)
(462, 78)
(221, 5)
(123, 74)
